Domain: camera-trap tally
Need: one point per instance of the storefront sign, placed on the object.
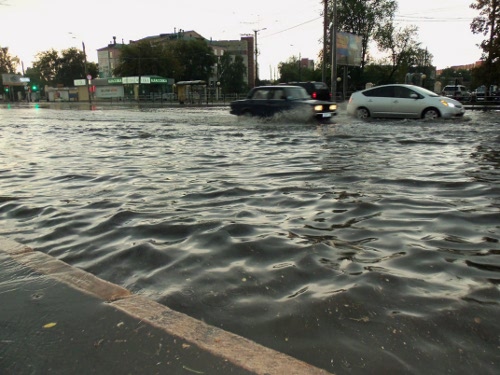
(14, 79)
(115, 81)
(79, 82)
(130, 80)
(159, 80)
(109, 92)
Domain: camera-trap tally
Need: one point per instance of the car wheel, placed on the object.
(362, 113)
(246, 113)
(431, 114)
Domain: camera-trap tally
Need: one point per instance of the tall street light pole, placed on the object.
(86, 73)
(84, 67)
(334, 51)
(256, 54)
(325, 35)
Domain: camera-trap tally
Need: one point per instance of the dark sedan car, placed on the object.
(317, 90)
(267, 101)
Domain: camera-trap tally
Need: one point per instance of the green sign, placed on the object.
(115, 81)
(80, 82)
(134, 80)
(159, 80)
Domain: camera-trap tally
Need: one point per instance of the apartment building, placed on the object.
(108, 57)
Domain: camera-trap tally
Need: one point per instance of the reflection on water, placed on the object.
(355, 246)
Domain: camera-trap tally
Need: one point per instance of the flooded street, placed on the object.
(356, 246)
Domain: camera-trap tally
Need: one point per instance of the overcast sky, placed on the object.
(288, 27)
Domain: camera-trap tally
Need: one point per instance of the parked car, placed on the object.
(317, 90)
(403, 101)
(267, 101)
(480, 93)
(458, 92)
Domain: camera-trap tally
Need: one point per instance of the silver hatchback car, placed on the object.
(403, 101)
(457, 92)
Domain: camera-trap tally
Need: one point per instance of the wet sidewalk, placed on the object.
(57, 319)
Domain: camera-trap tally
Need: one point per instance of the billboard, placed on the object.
(14, 79)
(110, 92)
(349, 49)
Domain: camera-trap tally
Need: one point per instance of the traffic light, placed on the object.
(6, 88)
(34, 87)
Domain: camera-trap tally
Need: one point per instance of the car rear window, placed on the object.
(320, 86)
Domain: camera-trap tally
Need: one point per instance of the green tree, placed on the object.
(290, 71)
(52, 68)
(196, 58)
(232, 74)
(93, 69)
(405, 53)
(450, 76)
(71, 66)
(223, 67)
(8, 63)
(147, 58)
(488, 24)
(377, 74)
(364, 18)
(180, 59)
(35, 78)
(47, 65)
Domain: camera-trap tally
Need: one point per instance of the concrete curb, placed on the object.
(239, 351)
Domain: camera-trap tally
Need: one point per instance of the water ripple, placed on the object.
(382, 234)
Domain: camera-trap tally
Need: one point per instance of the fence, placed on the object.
(172, 99)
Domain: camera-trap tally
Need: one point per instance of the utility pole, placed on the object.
(84, 67)
(85, 70)
(325, 36)
(256, 54)
(334, 51)
(300, 66)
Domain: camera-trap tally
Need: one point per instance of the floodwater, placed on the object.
(357, 246)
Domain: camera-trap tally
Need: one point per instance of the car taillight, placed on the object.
(314, 95)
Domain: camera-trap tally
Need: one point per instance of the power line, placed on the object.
(420, 15)
(291, 28)
(400, 18)
(431, 19)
